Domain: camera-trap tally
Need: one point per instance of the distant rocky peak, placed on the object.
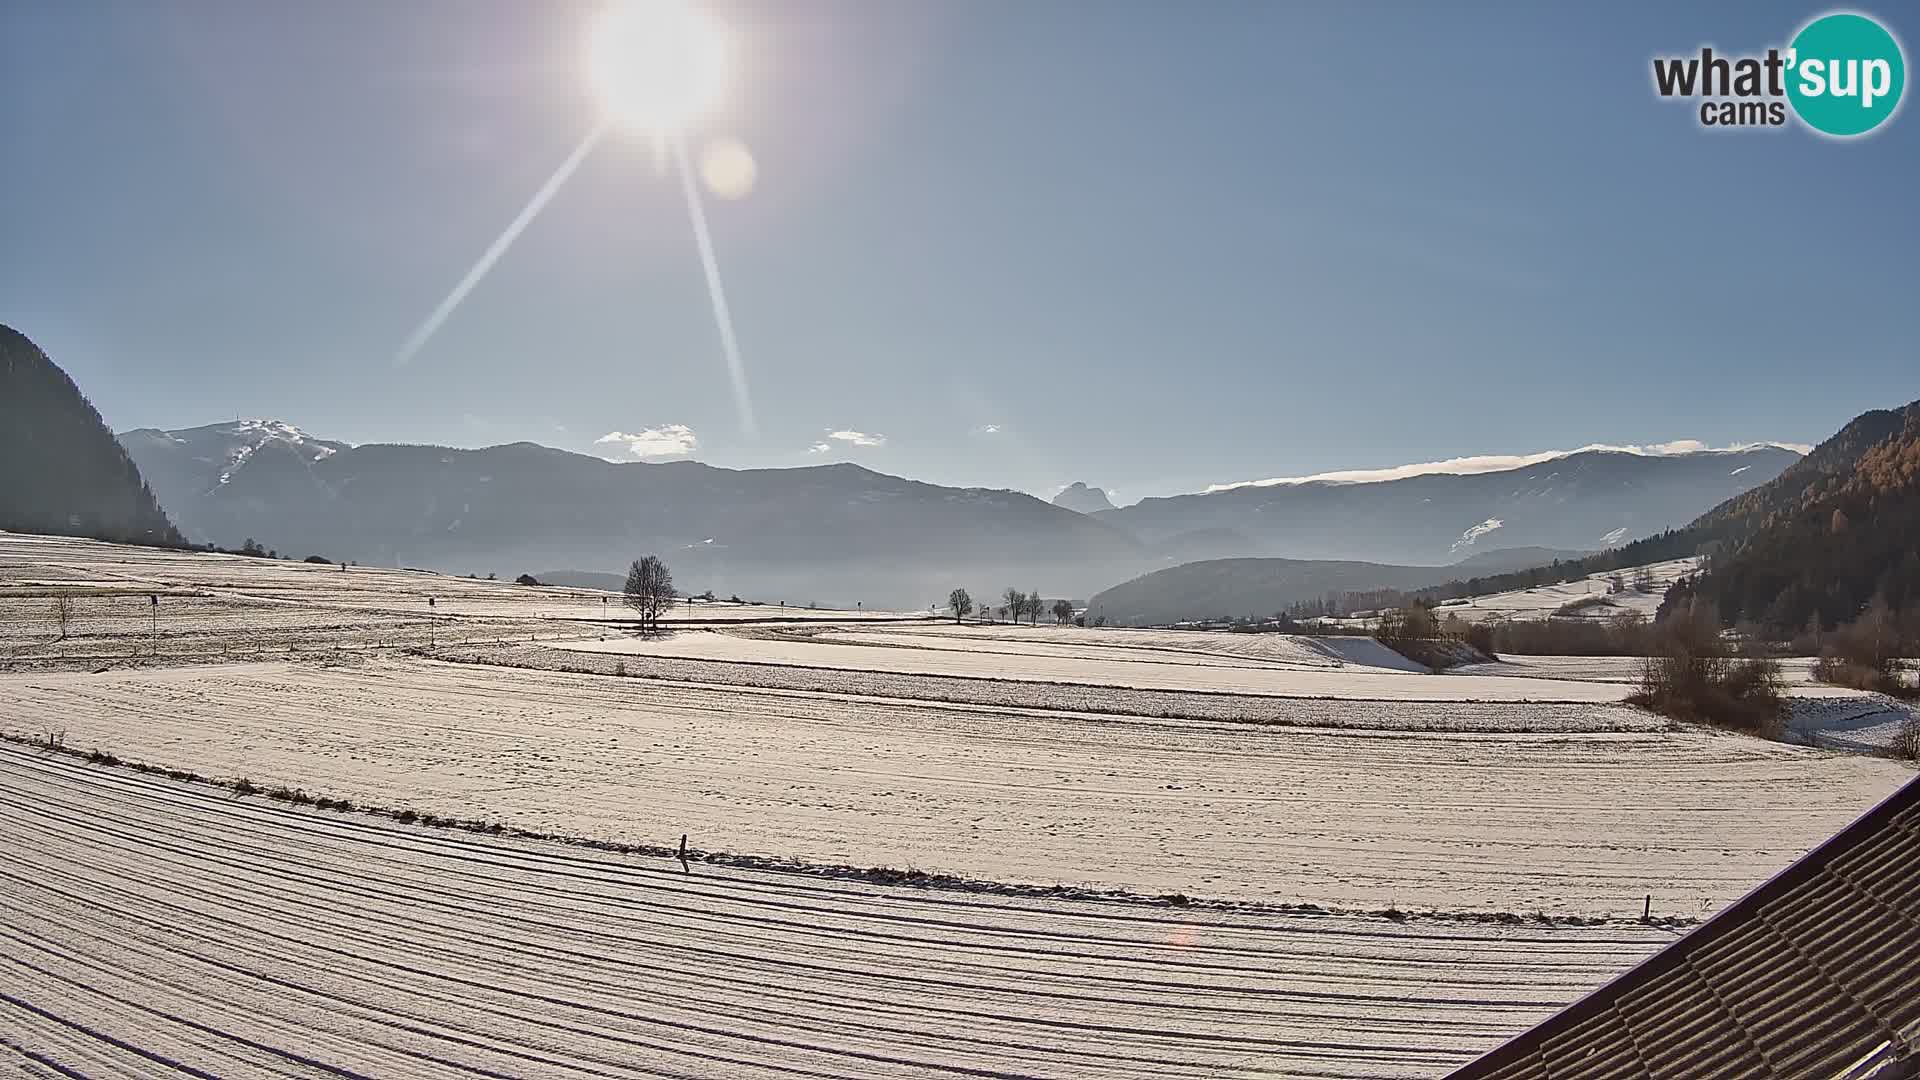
(1082, 499)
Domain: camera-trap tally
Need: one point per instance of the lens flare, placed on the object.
(499, 247)
(728, 168)
(736, 371)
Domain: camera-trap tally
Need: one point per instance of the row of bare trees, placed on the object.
(1014, 604)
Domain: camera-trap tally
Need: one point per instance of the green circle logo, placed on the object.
(1845, 74)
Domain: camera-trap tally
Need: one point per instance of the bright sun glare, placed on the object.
(657, 64)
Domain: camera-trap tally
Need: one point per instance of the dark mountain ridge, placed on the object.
(61, 472)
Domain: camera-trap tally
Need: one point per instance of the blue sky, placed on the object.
(1153, 246)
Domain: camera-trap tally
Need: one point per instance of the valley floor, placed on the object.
(154, 926)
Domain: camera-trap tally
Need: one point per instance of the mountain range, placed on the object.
(833, 534)
(1819, 541)
(1585, 500)
(843, 534)
(1787, 537)
(1811, 547)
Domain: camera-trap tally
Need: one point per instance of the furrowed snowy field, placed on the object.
(156, 928)
(1570, 823)
(152, 925)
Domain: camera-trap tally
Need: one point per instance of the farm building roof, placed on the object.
(1816, 973)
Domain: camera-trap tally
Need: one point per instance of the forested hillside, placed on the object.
(1826, 551)
(61, 471)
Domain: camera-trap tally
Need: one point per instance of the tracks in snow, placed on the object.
(154, 928)
(1570, 824)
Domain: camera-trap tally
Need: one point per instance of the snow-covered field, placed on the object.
(1797, 671)
(1137, 646)
(157, 928)
(1566, 822)
(1851, 721)
(146, 923)
(33, 568)
(1105, 700)
(1541, 602)
(1834, 717)
(1006, 653)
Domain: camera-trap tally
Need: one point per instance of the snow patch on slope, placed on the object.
(254, 434)
(1473, 535)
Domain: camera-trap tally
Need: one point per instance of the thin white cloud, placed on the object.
(1695, 446)
(667, 440)
(820, 448)
(1482, 463)
(986, 429)
(857, 438)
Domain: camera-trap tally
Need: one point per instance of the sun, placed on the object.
(656, 65)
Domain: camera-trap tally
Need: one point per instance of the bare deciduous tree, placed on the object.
(62, 613)
(1014, 605)
(649, 591)
(1034, 606)
(961, 603)
(1062, 611)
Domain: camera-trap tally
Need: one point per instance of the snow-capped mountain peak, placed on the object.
(246, 437)
(189, 462)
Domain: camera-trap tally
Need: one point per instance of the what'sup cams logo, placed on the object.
(1842, 76)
